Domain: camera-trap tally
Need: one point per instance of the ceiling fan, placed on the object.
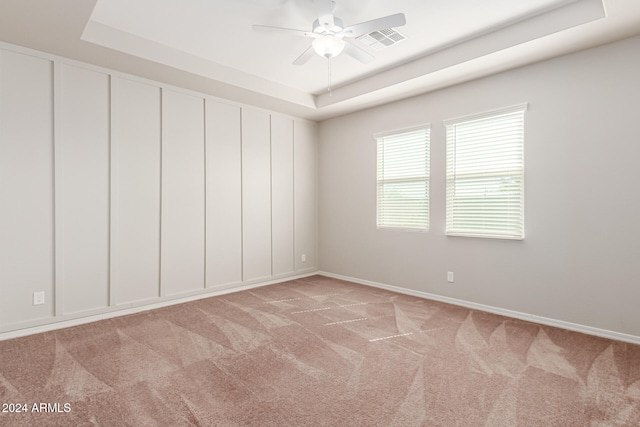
(331, 37)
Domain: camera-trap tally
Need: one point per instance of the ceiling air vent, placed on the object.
(381, 39)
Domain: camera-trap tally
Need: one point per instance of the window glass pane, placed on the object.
(403, 180)
(404, 204)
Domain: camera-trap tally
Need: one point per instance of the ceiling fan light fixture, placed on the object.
(328, 46)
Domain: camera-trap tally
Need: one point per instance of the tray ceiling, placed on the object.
(446, 42)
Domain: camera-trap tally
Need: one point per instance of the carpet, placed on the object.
(317, 352)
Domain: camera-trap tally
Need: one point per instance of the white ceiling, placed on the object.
(220, 31)
(447, 42)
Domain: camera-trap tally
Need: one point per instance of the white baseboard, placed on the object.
(119, 311)
(589, 330)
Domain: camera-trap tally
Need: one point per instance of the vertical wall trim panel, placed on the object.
(113, 193)
(271, 184)
(242, 167)
(57, 191)
(161, 290)
(293, 177)
(110, 299)
(204, 192)
(163, 169)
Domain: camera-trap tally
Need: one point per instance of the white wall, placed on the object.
(305, 159)
(119, 192)
(135, 191)
(26, 186)
(224, 195)
(82, 188)
(282, 196)
(579, 260)
(183, 178)
(256, 195)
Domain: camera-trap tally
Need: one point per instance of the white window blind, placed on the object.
(403, 179)
(485, 174)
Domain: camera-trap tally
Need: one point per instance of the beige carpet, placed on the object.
(318, 351)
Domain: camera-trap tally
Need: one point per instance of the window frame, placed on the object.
(487, 176)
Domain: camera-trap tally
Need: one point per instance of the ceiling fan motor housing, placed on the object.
(336, 28)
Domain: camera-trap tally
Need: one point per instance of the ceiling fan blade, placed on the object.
(357, 52)
(285, 30)
(390, 21)
(325, 12)
(306, 55)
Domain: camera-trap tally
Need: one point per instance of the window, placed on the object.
(403, 179)
(485, 174)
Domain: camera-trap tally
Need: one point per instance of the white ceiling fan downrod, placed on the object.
(329, 76)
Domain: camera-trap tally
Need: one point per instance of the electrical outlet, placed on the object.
(38, 298)
(450, 276)
(303, 258)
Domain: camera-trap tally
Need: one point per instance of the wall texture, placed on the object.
(119, 192)
(579, 260)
